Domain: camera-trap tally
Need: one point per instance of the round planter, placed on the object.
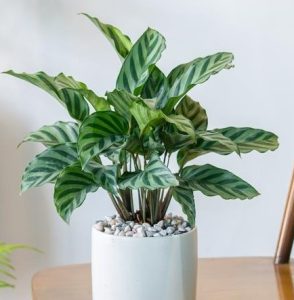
(130, 268)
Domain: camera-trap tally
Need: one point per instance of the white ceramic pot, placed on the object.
(129, 268)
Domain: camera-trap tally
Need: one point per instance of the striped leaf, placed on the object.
(156, 85)
(249, 139)
(100, 131)
(174, 140)
(68, 82)
(97, 102)
(71, 188)
(56, 134)
(140, 61)
(105, 176)
(184, 77)
(155, 176)
(56, 87)
(213, 181)
(184, 196)
(122, 101)
(147, 118)
(211, 141)
(46, 166)
(194, 112)
(207, 141)
(120, 41)
(188, 153)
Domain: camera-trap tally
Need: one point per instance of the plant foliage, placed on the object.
(6, 268)
(123, 141)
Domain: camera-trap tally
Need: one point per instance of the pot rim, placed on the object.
(111, 236)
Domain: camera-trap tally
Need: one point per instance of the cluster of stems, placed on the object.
(152, 204)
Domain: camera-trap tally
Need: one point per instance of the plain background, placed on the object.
(51, 36)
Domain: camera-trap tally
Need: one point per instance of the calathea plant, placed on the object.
(124, 142)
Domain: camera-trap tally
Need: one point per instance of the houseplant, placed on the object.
(6, 268)
(124, 143)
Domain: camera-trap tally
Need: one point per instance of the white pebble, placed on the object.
(170, 230)
(160, 223)
(107, 230)
(127, 228)
(99, 226)
(129, 233)
(163, 232)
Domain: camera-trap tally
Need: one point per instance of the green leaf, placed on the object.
(120, 41)
(184, 77)
(194, 112)
(212, 141)
(140, 61)
(155, 86)
(184, 196)
(5, 265)
(105, 176)
(46, 166)
(173, 139)
(71, 188)
(155, 176)
(249, 139)
(100, 131)
(56, 134)
(147, 118)
(207, 141)
(122, 101)
(188, 153)
(213, 181)
(98, 103)
(62, 88)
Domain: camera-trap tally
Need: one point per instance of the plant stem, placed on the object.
(116, 205)
(166, 202)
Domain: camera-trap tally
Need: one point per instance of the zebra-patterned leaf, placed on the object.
(140, 61)
(174, 140)
(98, 103)
(213, 181)
(71, 188)
(207, 141)
(188, 153)
(212, 141)
(147, 117)
(155, 176)
(186, 76)
(61, 88)
(184, 196)
(194, 112)
(100, 131)
(56, 134)
(46, 166)
(120, 41)
(122, 101)
(182, 123)
(249, 139)
(105, 176)
(155, 86)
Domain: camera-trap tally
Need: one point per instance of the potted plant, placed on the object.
(123, 143)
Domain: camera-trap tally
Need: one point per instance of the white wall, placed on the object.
(50, 36)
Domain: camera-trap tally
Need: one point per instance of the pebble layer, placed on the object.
(171, 225)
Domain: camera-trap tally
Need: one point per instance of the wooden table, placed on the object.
(219, 279)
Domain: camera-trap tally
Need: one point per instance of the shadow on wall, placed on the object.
(23, 219)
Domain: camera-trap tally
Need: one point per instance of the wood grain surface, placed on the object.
(218, 279)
